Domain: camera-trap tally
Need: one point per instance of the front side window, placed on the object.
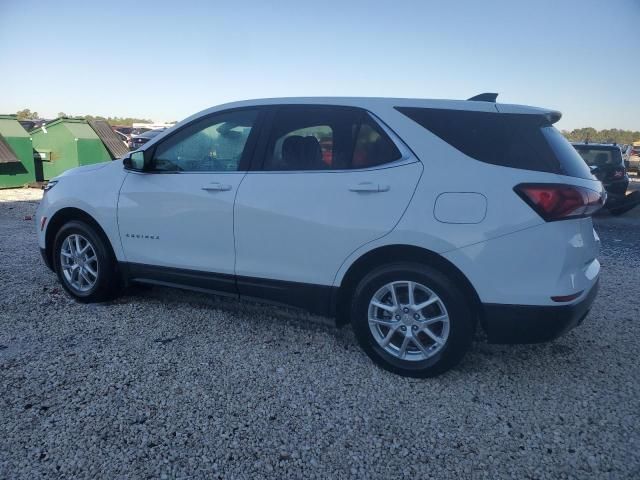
(214, 144)
(326, 138)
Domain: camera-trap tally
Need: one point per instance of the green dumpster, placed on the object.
(16, 154)
(67, 143)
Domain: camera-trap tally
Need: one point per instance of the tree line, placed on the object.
(27, 114)
(613, 135)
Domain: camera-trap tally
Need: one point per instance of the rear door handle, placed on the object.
(217, 187)
(369, 187)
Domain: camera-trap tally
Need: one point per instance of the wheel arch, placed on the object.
(60, 218)
(394, 253)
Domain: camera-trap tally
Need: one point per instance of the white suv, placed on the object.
(412, 219)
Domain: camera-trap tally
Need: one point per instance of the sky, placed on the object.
(165, 60)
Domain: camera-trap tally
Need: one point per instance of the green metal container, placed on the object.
(16, 154)
(67, 143)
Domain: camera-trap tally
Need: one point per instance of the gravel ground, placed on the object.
(170, 384)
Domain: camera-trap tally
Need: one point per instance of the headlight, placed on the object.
(49, 185)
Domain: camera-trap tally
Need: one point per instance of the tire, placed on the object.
(429, 285)
(106, 280)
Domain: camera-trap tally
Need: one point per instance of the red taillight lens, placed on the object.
(567, 298)
(559, 202)
(618, 174)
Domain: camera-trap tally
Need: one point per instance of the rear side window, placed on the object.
(528, 142)
(326, 138)
(571, 163)
(372, 146)
(307, 148)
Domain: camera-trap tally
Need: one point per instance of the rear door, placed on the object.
(330, 179)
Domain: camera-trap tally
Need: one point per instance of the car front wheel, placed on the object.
(412, 320)
(84, 263)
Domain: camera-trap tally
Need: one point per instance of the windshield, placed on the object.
(600, 157)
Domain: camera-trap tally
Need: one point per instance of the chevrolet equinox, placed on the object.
(414, 220)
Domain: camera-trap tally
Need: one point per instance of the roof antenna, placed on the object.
(484, 97)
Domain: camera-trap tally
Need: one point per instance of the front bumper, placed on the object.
(534, 324)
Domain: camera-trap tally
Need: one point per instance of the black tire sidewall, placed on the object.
(461, 320)
(102, 290)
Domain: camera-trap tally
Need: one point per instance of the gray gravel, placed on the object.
(169, 384)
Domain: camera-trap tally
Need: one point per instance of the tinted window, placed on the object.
(308, 148)
(215, 144)
(522, 141)
(373, 147)
(326, 138)
(571, 163)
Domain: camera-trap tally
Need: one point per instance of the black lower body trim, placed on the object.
(534, 324)
(316, 299)
(179, 277)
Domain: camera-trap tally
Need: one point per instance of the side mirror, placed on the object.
(135, 161)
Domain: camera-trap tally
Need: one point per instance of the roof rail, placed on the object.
(484, 97)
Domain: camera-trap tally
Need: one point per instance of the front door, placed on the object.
(176, 219)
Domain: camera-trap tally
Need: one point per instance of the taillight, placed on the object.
(554, 201)
(618, 174)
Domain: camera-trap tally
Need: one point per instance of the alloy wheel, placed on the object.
(408, 320)
(79, 262)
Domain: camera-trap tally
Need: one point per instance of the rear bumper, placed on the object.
(534, 324)
(616, 189)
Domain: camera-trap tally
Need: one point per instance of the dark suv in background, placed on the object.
(606, 163)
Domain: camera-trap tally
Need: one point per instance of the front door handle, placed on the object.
(369, 187)
(217, 187)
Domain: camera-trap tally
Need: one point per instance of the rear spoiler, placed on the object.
(553, 116)
(484, 97)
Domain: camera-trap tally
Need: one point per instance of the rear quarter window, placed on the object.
(523, 141)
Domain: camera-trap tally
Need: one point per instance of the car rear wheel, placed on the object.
(84, 263)
(412, 320)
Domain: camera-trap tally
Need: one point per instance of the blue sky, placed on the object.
(167, 59)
